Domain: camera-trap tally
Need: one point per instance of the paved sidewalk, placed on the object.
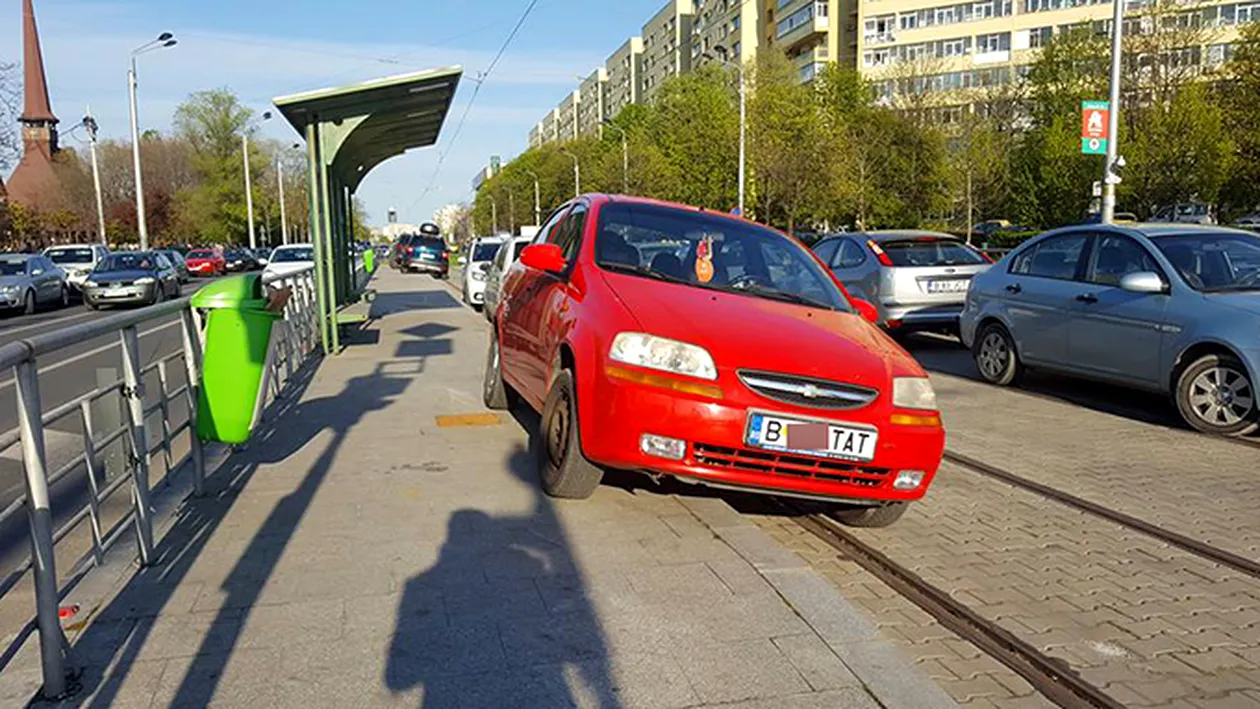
(359, 554)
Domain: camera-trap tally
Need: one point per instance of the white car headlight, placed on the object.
(661, 353)
(913, 393)
(9, 289)
(478, 275)
(89, 284)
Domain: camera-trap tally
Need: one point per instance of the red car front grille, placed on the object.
(761, 461)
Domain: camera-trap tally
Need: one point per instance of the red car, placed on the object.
(205, 262)
(665, 339)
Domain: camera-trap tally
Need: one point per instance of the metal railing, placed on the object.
(297, 337)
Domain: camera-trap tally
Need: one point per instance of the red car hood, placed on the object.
(746, 332)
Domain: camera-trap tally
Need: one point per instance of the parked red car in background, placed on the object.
(661, 338)
(206, 262)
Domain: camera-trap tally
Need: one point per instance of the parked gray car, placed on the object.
(1171, 308)
(28, 281)
(917, 280)
(507, 255)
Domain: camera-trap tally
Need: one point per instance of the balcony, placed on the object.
(804, 23)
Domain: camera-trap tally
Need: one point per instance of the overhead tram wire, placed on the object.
(481, 78)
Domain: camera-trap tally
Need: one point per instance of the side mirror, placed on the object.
(37, 271)
(865, 309)
(544, 257)
(1142, 282)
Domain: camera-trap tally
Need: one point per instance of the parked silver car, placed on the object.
(28, 281)
(917, 280)
(1172, 308)
(507, 255)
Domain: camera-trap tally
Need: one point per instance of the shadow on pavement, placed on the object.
(435, 298)
(946, 355)
(557, 653)
(113, 642)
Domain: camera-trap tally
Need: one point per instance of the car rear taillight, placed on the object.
(446, 254)
(879, 254)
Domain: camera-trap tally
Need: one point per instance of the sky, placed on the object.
(268, 48)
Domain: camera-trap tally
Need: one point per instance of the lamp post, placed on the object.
(577, 173)
(166, 39)
(249, 192)
(537, 201)
(1110, 176)
(742, 116)
(511, 213)
(284, 223)
(494, 216)
(625, 156)
(89, 124)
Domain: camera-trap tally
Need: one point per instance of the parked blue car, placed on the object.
(1171, 308)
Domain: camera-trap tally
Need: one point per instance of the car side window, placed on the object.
(568, 236)
(544, 234)
(162, 262)
(827, 250)
(1114, 257)
(1056, 257)
(851, 255)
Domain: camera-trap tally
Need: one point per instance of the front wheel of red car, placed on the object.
(870, 516)
(494, 391)
(564, 471)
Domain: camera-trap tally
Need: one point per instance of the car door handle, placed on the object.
(1087, 298)
(1014, 288)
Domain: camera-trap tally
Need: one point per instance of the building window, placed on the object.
(998, 42)
(734, 50)
(909, 21)
(734, 25)
(877, 57)
(1219, 53)
(1040, 37)
(879, 30)
(803, 16)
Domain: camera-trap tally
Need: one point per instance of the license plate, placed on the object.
(116, 292)
(955, 285)
(791, 435)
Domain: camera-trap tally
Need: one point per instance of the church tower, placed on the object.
(34, 182)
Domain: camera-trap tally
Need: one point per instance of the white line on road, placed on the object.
(45, 323)
(90, 353)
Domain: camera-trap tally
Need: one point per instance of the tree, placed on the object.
(213, 124)
(1241, 193)
(10, 109)
(694, 124)
(1177, 150)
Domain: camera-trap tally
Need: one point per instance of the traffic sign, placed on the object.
(1094, 115)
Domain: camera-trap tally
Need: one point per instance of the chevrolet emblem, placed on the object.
(810, 391)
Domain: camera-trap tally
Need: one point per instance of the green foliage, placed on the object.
(1239, 98)
(1178, 151)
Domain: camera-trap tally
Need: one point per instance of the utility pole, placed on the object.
(166, 39)
(511, 213)
(1110, 178)
(743, 117)
(249, 192)
(537, 201)
(90, 124)
(577, 174)
(625, 157)
(284, 224)
(494, 216)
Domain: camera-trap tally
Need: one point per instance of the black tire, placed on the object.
(90, 305)
(996, 357)
(494, 391)
(881, 516)
(28, 303)
(562, 468)
(1215, 395)
(65, 297)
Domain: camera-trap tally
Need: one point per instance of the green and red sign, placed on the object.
(1094, 116)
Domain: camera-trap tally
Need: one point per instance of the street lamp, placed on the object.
(1112, 162)
(742, 115)
(494, 216)
(625, 156)
(249, 193)
(89, 124)
(537, 202)
(577, 173)
(511, 213)
(166, 39)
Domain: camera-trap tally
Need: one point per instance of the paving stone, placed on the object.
(753, 669)
(815, 661)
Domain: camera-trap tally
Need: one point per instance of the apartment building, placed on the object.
(567, 117)
(591, 97)
(623, 68)
(666, 45)
(943, 48)
(726, 30)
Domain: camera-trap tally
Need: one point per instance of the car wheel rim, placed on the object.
(994, 354)
(494, 367)
(558, 431)
(1221, 396)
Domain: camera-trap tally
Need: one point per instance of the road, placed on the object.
(63, 376)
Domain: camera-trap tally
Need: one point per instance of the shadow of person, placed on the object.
(147, 593)
(521, 630)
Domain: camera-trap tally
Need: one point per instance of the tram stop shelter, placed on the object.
(348, 131)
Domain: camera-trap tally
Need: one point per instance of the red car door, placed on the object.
(518, 324)
(549, 311)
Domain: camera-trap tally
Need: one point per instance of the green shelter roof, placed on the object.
(371, 122)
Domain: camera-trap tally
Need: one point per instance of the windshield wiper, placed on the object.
(641, 271)
(776, 294)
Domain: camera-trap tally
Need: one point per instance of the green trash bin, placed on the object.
(236, 364)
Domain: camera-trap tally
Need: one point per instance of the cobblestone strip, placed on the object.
(1196, 485)
(1152, 626)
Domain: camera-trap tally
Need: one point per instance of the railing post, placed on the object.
(133, 392)
(192, 365)
(39, 512)
(94, 492)
(164, 406)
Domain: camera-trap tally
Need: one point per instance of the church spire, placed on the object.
(38, 107)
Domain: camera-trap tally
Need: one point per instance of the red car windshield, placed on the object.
(201, 254)
(713, 252)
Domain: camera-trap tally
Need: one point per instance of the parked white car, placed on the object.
(480, 255)
(288, 259)
(76, 260)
